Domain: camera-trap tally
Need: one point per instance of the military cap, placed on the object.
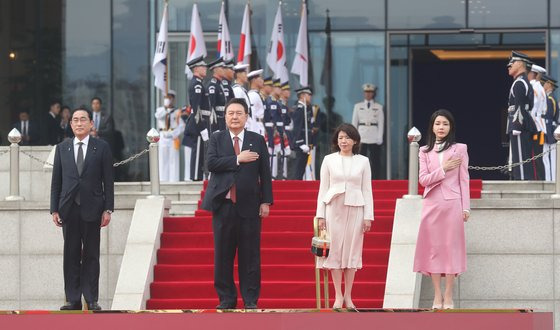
(229, 64)
(217, 63)
(240, 67)
(305, 89)
(276, 82)
(199, 61)
(268, 81)
(285, 85)
(518, 56)
(538, 69)
(369, 87)
(548, 79)
(171, 92)
(254, 74)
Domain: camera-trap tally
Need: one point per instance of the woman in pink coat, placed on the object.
(440, 248)
(345, 209)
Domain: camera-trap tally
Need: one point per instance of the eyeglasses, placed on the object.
(80, 120)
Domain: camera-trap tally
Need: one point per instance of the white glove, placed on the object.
(204, 135)
(516, 133)
(304, 148)
(167, 135)
(270, 150)
(287, 151)
(166, 102)
(277, 149)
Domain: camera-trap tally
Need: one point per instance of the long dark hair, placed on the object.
(449, 140)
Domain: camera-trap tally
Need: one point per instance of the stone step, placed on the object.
(183, 208)
(507, 194)
(165, 187)
(492, 185)
(515, 203)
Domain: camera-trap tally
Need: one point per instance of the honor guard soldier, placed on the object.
(198, 126)
(302, 131)
(239, 90)
(276, 118)
(538, 112)
(228, 79)
(551, 122)
(171, 127)
(520, 124)
(256, 83)
(368, 118)
(216, 95)
(270, 105)
(287, 119)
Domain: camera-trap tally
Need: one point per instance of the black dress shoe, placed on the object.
(72, 306)
(93, 306)
(225, 305)
(250, 306)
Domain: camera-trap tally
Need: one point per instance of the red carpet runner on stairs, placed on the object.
(183, 276)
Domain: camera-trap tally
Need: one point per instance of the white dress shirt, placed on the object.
(85, 142)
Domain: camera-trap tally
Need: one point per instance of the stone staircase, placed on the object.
(184, 196)
(517, 189)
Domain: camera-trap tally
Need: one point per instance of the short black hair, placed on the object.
(53, 102)
(352, 133)
(90, 114)
(96, 98)
(238, 100)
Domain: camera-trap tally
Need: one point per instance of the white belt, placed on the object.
(279, 123)
(205, 112)
(269, 124)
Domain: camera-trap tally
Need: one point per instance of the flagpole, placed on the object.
(167, 55)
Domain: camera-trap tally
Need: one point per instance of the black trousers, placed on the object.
(373, 152)
(538, 163)
(521, 147)
(81, 257)
(299, 164)
(232, 233)
(197, 173)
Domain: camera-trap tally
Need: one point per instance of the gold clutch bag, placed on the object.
(320, 245)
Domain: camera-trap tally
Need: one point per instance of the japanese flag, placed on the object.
(244, 53)
(276, 57)
(197, 47)
(301, 64)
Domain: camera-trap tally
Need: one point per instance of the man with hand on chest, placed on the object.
(238, 195)
(82, 200)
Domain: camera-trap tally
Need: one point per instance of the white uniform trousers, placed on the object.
(549, 161)
(188, 152)
(168, 160)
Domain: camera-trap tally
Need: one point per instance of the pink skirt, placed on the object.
(441, 248)
(344, 225)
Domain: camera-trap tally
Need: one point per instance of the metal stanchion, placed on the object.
(15, 138)
(153, 138)
(318, 274)
(557, 137)
(414, 136)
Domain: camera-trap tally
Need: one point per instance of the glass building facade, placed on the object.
(74, 50)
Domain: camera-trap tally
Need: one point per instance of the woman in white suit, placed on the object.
(345, 209)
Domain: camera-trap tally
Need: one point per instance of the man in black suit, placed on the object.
(51, 132)
(103, 124)
(82, 200)
(27, 129)
(239, 194)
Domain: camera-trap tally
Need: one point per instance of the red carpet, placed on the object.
(184, 272)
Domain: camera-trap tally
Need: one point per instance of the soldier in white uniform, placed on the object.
(240, 92)
(369, 119)
(171, 128)
(538, 113)
(256, 83)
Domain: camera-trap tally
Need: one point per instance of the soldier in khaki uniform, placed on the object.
(369, 119)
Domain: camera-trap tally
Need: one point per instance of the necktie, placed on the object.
(80, 166)
(368, 104)
(232, 190)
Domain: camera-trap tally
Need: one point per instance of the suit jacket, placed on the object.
(106, 129)
(32, 132)
(252, 180)
(356, 187)
(51, 133)
(455, 183)
(95, 185)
